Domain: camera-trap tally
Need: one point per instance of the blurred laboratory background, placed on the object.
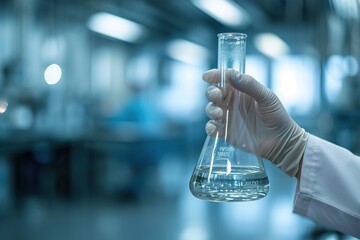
(102, 112)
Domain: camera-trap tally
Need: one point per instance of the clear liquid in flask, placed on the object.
(212, 183)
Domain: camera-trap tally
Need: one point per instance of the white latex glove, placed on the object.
(279, 138)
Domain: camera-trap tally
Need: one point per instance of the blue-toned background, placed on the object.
(102, 112)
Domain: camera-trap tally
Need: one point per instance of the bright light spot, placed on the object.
(348, 9)
(188, 52)
(294, 82)
(3, 106)
(52, 74)
(115, 27)
(228, 167)
(283, 223)
(226, 12)
(271, 45)
(257, 67)
(184, 80)
(194, 232)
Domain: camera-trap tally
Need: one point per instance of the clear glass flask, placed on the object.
(225, 172)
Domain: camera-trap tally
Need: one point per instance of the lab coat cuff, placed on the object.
(307, 185)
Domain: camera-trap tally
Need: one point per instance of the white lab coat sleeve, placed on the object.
(329, 188)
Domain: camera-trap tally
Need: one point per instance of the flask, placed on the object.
(225, 172)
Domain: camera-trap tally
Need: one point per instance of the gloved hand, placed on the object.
(279, 138)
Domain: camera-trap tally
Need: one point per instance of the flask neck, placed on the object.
(231, 53)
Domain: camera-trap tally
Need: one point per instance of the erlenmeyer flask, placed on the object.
(225, 172)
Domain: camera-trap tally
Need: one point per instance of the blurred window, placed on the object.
(257, 67)
(183, 98)
(337, 69)
(295, 79)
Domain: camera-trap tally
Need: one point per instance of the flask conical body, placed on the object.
(226, 171)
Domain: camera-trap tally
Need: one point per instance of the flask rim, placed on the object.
(233, 35)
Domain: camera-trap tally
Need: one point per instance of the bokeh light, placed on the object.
(3, 106)
(52, 74)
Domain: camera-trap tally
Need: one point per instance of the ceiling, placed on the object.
(172, 17)
(293, 20)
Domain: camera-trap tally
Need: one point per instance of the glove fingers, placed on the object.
(241, 82)
(211, 76)
(213, 128)
(250, 86)
(214, 94)
(213, 112)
